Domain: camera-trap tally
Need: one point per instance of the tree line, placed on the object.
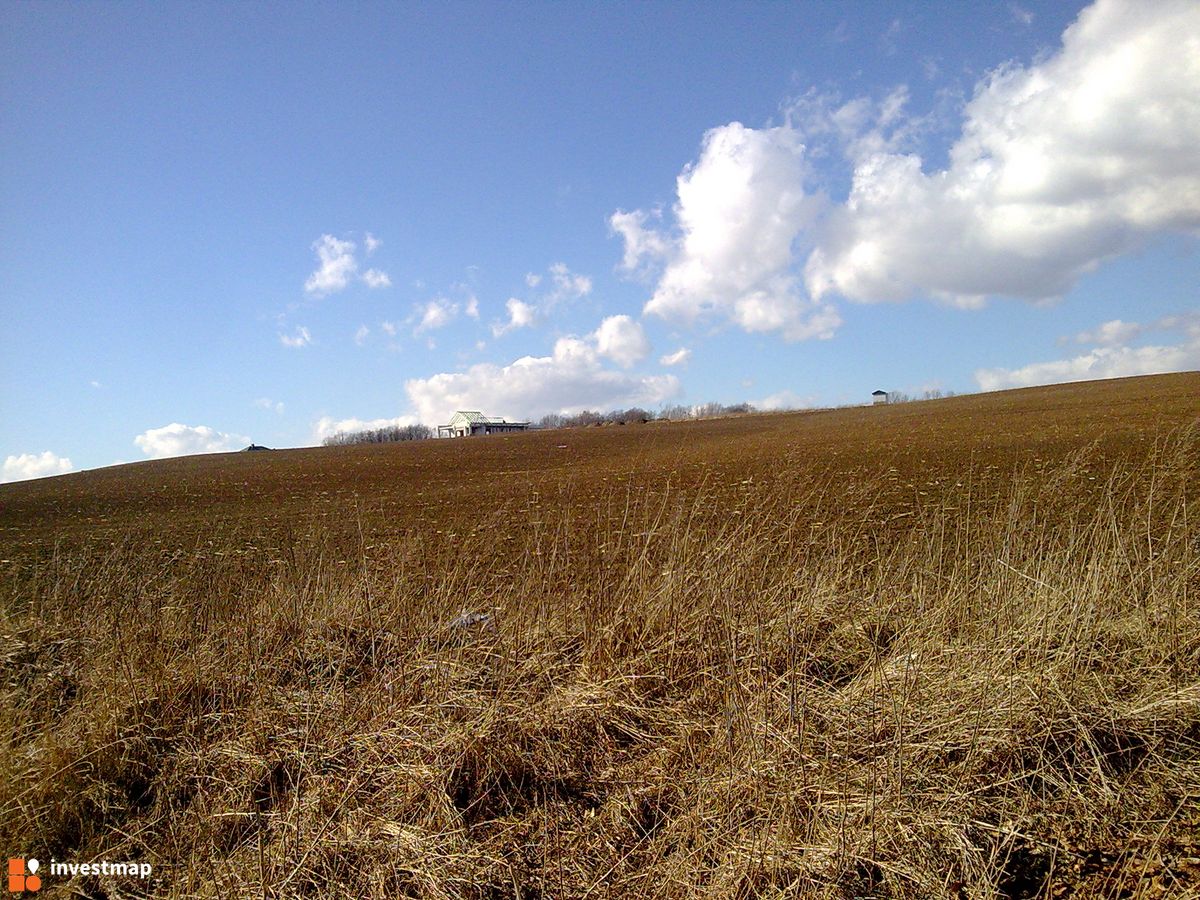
(633, 415)
(388, 435)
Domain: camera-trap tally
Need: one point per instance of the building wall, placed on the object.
(468, 429)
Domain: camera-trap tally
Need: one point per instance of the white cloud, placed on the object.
(299, 338)
(741, 208)
(622, 340)
(570, 380)
(33, 465)
(336, 268)
(568, 284)
(678, 358)
(374, 279)
(436, 313)
(1117, 332)
(1059, 166)
(97, 385)
(183, 440)
(563, 286)
(785, 399)
(1103, 362)
(1188, 323)
(1114, 359)
(360, 336)
(520, 315)
(1110, 333)
(327, 426)
(642, 244)
(472, 307)
(389, 328)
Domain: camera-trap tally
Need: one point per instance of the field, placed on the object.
(939, 649)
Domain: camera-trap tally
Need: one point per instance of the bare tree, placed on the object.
(390, 434)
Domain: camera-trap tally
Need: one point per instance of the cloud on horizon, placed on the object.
(1113, 358)
(177, 439)
(573, 378)
(33, 465)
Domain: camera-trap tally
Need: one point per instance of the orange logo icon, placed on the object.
(18, 881)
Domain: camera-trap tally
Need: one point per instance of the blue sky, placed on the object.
(235, 222)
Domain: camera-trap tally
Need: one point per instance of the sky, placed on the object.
(224, 223)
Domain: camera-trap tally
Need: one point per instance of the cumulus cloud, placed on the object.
(1110, 333)
(1113, 359)
(622, 340)
(337, 266)
(472, 307)
(298, 338)
(373, 278)
(1060, 165)
(327, 426)
(785, 399)
(571, 379)
(741, 208)
(561, 286)
(1102, 362)
(33, 465)
(434, 314)
(389, 328)
(568, 284)
(678, 358)
(360, 336)
(520, 315)
(642, 244)
(183, 440)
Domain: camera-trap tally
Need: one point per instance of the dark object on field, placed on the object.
(253, 447)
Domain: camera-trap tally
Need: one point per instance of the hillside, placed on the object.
(432, 483)
(946, 648)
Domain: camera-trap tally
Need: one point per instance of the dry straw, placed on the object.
(807, 690)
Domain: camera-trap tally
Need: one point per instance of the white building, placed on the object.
(465, 423)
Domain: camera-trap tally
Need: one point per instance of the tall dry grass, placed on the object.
(798, 689)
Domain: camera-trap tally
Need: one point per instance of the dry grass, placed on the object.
(795, 688)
